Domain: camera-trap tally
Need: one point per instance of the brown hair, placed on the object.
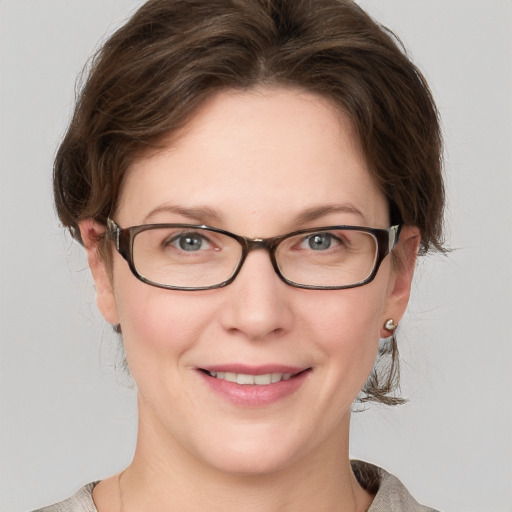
(152, 74)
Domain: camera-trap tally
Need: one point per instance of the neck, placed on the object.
(165, 477)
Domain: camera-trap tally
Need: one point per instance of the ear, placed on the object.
(400, 282)
(91, 232)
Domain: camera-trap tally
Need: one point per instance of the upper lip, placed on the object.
(253, 370)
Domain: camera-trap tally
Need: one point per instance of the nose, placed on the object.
(257, 304)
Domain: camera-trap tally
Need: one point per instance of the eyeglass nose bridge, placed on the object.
(253, 244)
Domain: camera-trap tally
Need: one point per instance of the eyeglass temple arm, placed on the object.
(394, 234)
(114, 232)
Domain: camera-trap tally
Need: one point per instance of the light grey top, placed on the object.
(390, 493)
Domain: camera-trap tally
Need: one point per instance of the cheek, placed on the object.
(156, 323)
(346, 325)
(347, 315)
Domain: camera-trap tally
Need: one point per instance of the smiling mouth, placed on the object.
(257, 380)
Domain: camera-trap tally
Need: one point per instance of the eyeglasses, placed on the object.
(191, 257)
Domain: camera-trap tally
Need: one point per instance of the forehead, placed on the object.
(255, 157)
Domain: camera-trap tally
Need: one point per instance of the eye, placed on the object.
(189, 242)
(320, 241)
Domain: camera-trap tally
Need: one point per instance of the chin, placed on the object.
(251, 455)
(259, 463)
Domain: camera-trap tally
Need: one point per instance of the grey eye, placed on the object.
(190, 242)
(320, 241)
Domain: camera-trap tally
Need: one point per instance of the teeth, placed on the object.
(245, 379)
(263, 380)
(230, 377)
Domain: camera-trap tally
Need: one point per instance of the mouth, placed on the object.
(247, 379)
(249, 386)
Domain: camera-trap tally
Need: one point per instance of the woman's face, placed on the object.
(259, 163)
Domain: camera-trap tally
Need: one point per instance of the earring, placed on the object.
(390, 325)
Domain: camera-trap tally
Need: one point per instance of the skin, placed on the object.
(257, 159)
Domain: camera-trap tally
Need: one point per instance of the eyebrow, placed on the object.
(206, 215)
(315, 213)
(199, 214)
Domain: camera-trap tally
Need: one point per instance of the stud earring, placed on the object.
(390, 325)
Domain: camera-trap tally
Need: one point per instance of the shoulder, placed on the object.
(390, 493)
(81, 501)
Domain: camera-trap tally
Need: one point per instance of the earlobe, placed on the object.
(91, 233)
(400, 285)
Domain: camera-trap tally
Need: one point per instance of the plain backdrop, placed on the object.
(67, 413)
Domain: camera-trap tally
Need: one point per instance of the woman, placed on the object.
(252, 182)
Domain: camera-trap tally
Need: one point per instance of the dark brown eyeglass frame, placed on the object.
(123, 240)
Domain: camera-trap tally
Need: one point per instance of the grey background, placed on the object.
(66, 414)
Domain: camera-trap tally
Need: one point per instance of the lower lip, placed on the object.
(247, 395)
